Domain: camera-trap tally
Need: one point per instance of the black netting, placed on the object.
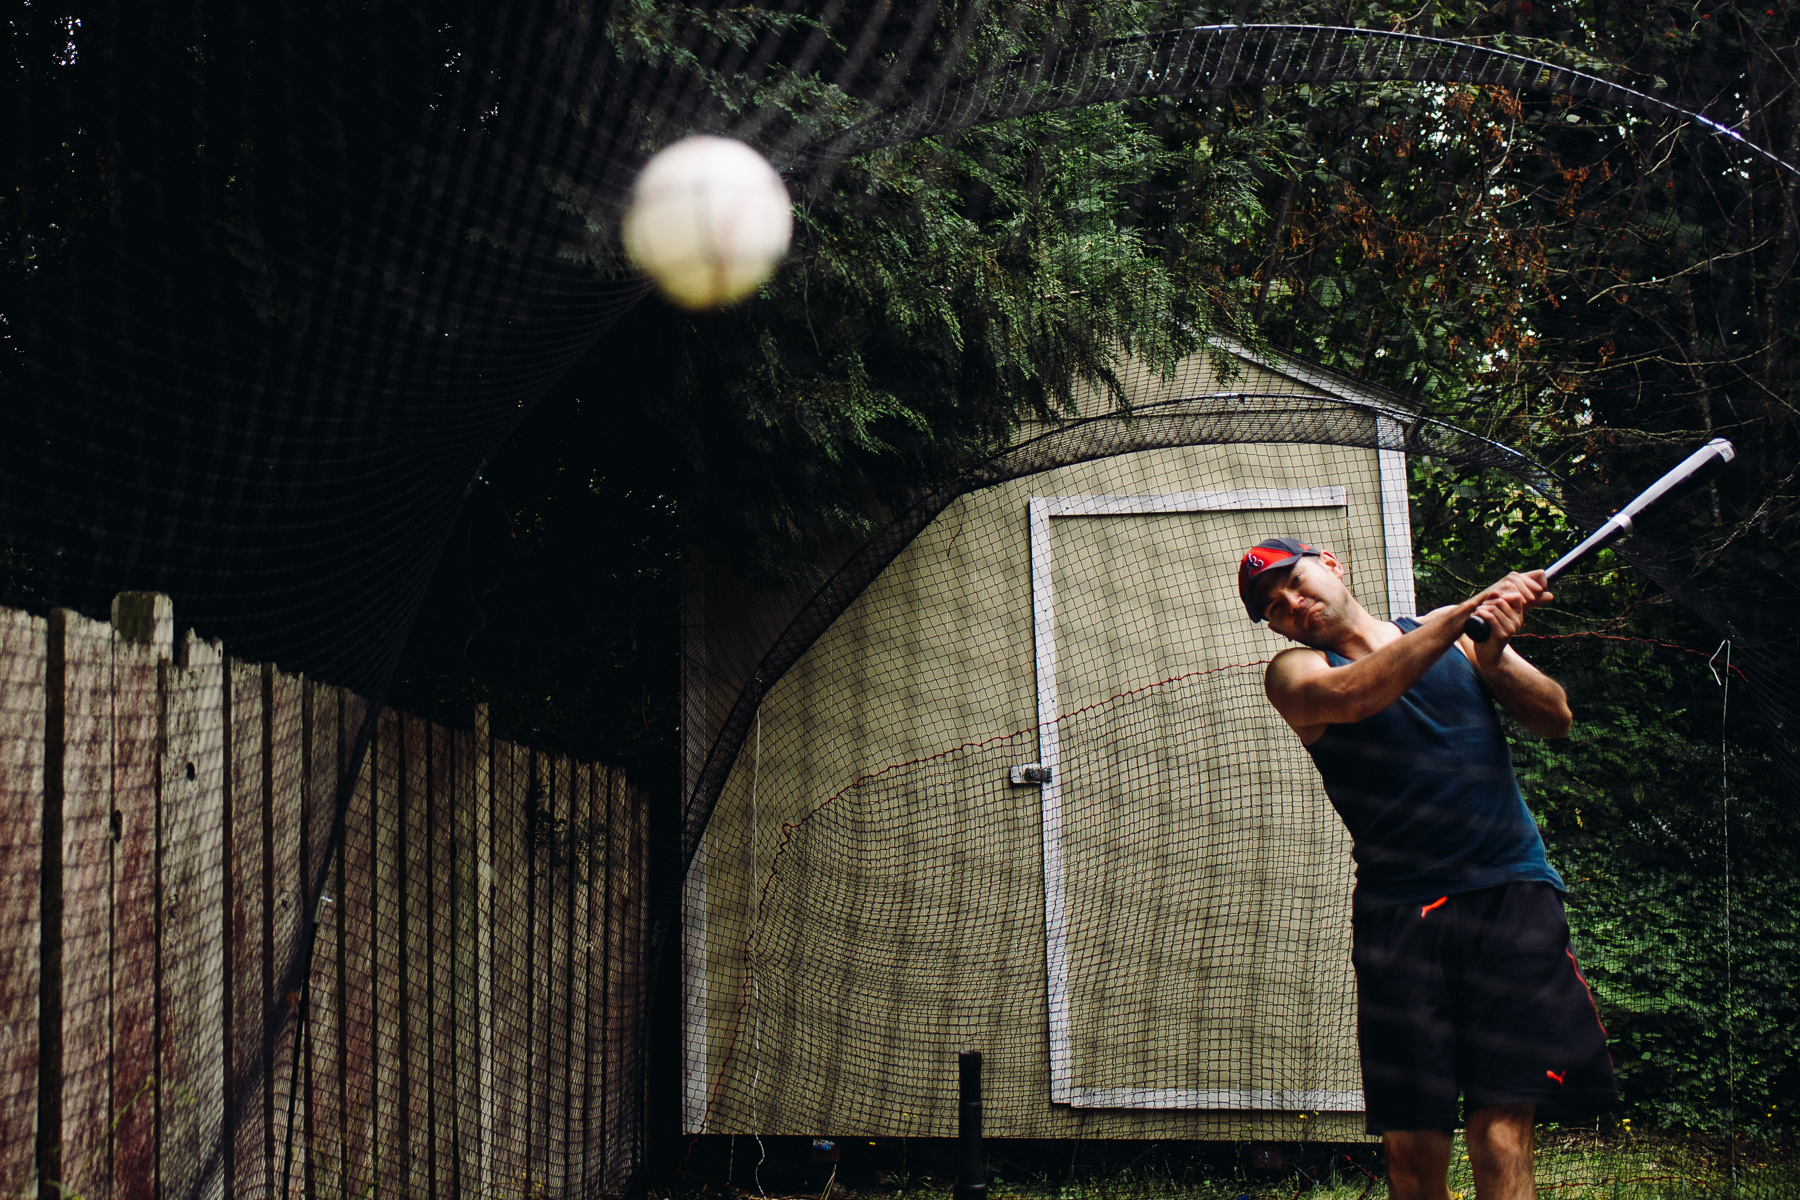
(594, 767)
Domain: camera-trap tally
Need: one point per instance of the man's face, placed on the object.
(1305, 602)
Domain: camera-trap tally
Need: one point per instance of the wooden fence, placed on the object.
(474, 998)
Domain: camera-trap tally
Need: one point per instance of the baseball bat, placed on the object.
(1691, 471)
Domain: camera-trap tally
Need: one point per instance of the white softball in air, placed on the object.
(709, 220)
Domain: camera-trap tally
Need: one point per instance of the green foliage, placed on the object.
(1700, 1006)
(940, 294)
(1602, 289)
(1471, 525)
(580, 848)
(1686, 929)
(1673, 831)
(556, 599)
(1647, 306)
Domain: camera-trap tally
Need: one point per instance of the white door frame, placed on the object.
(1043, 510)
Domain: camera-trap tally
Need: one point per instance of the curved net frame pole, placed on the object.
(1178, 62)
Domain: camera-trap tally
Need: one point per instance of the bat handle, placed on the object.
(1477, 629)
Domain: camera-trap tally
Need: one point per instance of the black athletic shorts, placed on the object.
(1476, 994)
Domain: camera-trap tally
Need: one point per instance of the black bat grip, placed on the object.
(1477, 629)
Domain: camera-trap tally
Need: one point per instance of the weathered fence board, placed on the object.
(466, 987)
(542, 918)
(441, 824)
(610, 979)
(620, 1040)
(284, 771)
(23, 643)
(391, 1145)
(632, 952)
(617, 856)
(511, 924)
(245, 1083)
(415, 946)
(581, 819)
(486, 888)
(358, 1014)
(594, 966)
(80, 1159)
(463, 990)
(325, 1001)
(144, 623)
(555, 868)
(190, 854)
(580, 943)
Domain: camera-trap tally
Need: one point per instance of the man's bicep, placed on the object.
(1289, 682)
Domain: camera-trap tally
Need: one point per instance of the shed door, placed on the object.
(1201, 954)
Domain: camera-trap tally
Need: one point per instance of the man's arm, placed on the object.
(1534, 699)
(1310, 694)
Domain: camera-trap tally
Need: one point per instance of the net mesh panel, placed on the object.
(281, 283)
(1169, 918)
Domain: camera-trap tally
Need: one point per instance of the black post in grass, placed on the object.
(971, 1167)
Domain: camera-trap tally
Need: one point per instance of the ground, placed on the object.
(1573, 1164)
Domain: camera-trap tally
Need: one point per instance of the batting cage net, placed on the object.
(471, 727)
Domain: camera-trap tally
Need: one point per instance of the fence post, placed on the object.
(971, 1163)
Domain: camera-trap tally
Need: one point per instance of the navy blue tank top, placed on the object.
(1427, 791)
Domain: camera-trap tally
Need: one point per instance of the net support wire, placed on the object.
(1723, 679)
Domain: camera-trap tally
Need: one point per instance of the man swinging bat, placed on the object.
(1466, 987)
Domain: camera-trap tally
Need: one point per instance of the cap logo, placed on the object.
(1256, 562)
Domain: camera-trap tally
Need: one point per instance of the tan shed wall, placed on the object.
(814, 1008)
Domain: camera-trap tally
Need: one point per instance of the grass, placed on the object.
(1621, 1165)
(1571, 1165)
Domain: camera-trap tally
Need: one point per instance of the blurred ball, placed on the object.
(708, 221)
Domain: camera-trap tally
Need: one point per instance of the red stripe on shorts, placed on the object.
(1587, 989)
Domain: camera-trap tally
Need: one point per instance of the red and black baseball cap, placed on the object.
(1272, 554)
